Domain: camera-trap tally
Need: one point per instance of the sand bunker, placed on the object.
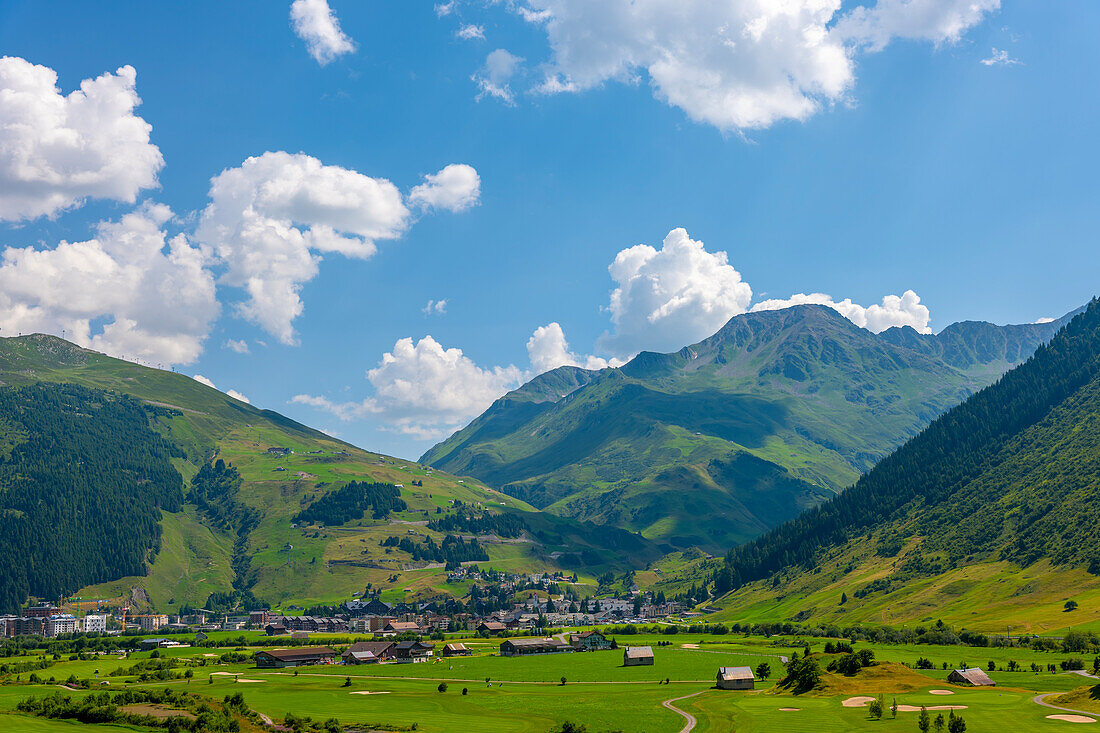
(241, 679)
(916, 708)
(1073, 718)
(211, 655)
(367, 692)
(941, 692)
(789, 710)
(690, 646)
(856, 702)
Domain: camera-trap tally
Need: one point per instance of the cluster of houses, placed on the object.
(49, 621)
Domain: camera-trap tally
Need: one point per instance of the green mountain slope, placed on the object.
(154, 531)
(726, 438)
(995, 506)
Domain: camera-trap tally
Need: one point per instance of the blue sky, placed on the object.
(876, 171)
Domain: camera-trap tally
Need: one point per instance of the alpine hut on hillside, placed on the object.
(973, 676)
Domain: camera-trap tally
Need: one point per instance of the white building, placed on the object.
(94, 623)
(62, 623)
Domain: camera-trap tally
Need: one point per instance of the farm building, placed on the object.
(637, 656)
(491, 627)
(456, 650)
(973, 676)
(412, 651)
(368, 652)
(401, 627)
(735, 678)
(276, 630)
(590, 641)
(300, 657)
(518, 647)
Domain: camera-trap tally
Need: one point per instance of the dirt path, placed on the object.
(689, 719)
(382, 678)
(1041, 700)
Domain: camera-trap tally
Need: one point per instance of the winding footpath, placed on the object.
(1041, 700)
(689, 719)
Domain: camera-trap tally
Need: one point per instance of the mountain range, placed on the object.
(716, 443)
(993, 511)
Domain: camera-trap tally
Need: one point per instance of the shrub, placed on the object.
(442, 687)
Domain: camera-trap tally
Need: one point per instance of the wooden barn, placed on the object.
(974, 676)
(735, 678)
(638, 656)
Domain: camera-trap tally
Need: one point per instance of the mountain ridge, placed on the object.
(803, 389)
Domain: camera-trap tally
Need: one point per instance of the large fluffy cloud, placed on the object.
(734, 64)
(316, 24)
(153, 295)
(57, 150)
(670, 297)
(895, 310)
(547, 349)
(424, 389)
(270, 220)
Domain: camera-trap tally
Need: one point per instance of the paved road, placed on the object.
(1041, 700)
(689, 719)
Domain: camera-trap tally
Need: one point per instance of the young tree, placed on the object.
(894, 708)
(764, 670)
(924, 722)
(442, 687)
(955, 723)
(347, 682)
(939, 723)
(563, 680)
(875, 708)
(843, 598)
(1070, 605)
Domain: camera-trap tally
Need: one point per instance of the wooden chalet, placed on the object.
(638, 656)
(735, 678)
(300, 657)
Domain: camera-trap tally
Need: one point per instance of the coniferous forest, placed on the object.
(77, 505)
(349, 502)
(1038, 421)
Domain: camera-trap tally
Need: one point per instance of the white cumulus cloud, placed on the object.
(670, 297)
(271, 220)
(493, 78)
(895, 310)
(204, 380)
(238, 345)
(455, 188)
(547, 349)
(57, 150)
(130, 291)
(735, 64)
(425, 390)
(316, 24)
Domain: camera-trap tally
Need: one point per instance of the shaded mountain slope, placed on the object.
(802, 395)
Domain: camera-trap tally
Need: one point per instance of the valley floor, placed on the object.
(526, 694)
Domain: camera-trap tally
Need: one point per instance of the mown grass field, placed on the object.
(524, 694)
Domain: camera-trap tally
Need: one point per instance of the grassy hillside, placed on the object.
(990, 517)
(718, 442)
(290, 565)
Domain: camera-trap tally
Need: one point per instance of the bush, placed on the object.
(442, 687)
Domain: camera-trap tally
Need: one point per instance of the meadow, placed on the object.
(525, 694)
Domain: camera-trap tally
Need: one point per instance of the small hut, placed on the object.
(974, 676)
(638, 656)
(735, 678)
